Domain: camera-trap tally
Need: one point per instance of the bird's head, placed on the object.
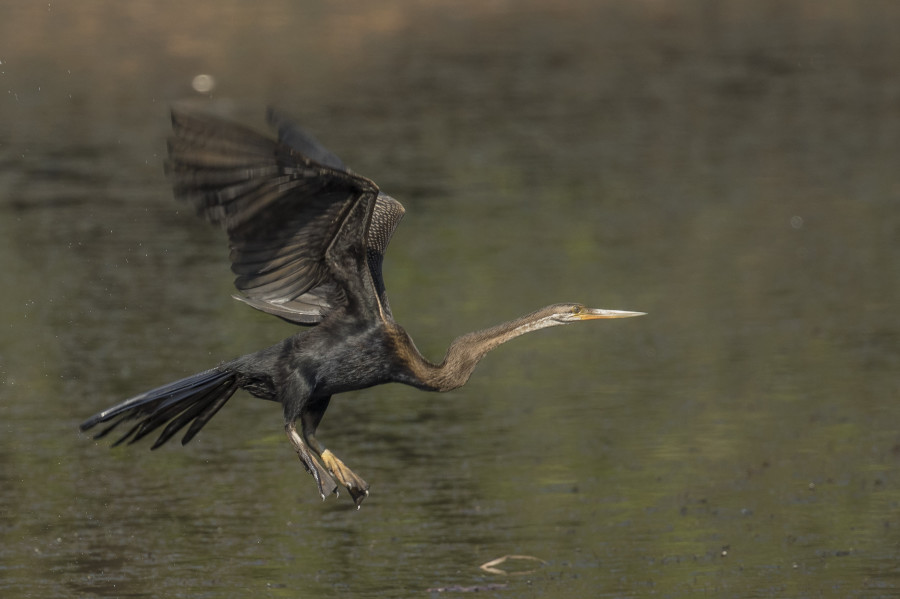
(466, 351)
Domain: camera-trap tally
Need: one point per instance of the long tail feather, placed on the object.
(192, 400)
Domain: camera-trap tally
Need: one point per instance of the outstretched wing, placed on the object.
(306, 234)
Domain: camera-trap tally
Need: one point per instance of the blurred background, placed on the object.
(729, 167)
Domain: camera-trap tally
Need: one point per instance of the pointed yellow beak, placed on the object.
(595, 313)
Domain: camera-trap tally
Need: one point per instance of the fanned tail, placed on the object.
(192, 400)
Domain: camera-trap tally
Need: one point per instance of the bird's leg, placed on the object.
(325, 483)
(356, 486)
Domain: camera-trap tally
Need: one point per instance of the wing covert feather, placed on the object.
(306, 234)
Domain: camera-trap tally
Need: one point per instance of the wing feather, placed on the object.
(306, 234)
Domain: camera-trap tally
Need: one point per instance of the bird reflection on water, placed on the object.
(307, 238)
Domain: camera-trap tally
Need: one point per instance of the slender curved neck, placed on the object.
(466, 351)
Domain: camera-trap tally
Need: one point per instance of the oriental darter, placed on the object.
(307, 238)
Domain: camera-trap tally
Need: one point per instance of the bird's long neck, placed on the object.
(467, 350)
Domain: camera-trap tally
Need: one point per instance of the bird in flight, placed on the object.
(307, 238)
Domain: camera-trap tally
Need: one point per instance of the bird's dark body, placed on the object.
(334, 357)
(307, 239)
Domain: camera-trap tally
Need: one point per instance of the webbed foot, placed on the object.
(356, 486)
(324, 482)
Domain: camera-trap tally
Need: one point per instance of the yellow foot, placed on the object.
(357, 487)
